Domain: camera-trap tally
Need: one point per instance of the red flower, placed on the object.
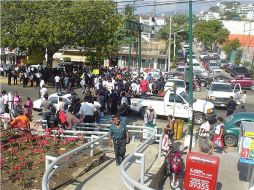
(12, 141)
(14, 150)
(72, 139)
(43, 143)
(37, 151)
(1, 162)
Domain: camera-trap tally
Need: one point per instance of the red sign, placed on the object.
(245, 153)
(201, 171)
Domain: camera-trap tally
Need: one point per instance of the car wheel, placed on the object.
(142, 111)
(252, 87)
(203, 84)
(230, 140)
(198, 118)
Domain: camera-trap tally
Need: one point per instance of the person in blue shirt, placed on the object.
(118, 132)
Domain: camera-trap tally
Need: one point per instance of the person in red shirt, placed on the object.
(143, 86)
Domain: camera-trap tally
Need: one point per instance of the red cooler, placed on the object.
(201, 171)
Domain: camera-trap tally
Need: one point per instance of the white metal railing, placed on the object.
(129, 182)
(55, 164)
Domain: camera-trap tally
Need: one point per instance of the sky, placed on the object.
(172, 6)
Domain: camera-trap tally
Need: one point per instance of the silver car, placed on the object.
(213, 64)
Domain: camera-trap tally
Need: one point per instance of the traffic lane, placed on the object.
(249, 106)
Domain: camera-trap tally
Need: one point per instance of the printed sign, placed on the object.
(201, 171)
(96, 71)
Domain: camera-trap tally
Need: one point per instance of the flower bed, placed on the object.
(22, 158)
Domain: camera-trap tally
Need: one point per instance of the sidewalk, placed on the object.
(107, 175)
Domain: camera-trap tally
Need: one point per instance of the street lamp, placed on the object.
(175, 41)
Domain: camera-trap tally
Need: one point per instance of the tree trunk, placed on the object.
(50, 54)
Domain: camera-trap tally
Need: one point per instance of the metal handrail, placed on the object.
(90, 145)
(127, 162)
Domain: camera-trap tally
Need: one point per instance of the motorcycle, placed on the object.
(175, 167)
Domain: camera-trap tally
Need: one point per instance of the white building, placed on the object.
(151, 21)
(250, 15)
(208, 16)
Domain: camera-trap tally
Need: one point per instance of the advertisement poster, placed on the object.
(201, 172)
(247, 153)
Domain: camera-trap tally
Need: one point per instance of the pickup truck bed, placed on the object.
(150, 97)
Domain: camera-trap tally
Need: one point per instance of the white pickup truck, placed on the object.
(219, 93)
(178, 103)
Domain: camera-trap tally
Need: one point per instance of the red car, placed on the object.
(244, 82)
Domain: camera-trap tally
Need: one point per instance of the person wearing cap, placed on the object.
(21, 121)
(150, 116)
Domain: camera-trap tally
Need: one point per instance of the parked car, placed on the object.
(229, 67)
(223, 62)
(216, 71)
(194, 60)
(232, 126)
(235, 71)
(54, 98)
(219, 93)
(180, 69)
(202, 55)
(243, 81)
(213, 64)
(180, 84)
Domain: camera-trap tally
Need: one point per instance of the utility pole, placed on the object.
(169, 43)
(174, 44)
(190, 121)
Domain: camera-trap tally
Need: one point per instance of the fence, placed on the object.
(59, 162)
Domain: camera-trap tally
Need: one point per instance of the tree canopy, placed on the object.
(210, 32)
(92, 25)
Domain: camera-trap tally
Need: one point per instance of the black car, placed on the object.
(239, 71)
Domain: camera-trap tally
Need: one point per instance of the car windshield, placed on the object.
(221, 87)
(213, 64)
(178, 83)
(187, 97)
(180, 69)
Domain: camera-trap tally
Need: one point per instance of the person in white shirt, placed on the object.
(43, 91)
(57, 83)
(124, 99)
(87, 110)
(110, 85)
(42, 83)
(60, 105)
(243, 100)
(205, 144)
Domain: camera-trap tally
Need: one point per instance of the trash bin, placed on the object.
(178, 129)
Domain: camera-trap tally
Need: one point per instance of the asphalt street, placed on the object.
(33, 93)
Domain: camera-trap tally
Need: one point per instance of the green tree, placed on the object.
(231, 16)
(233, 45)
(92, 25)
(210, 32)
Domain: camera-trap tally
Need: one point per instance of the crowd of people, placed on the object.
(108, 92)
